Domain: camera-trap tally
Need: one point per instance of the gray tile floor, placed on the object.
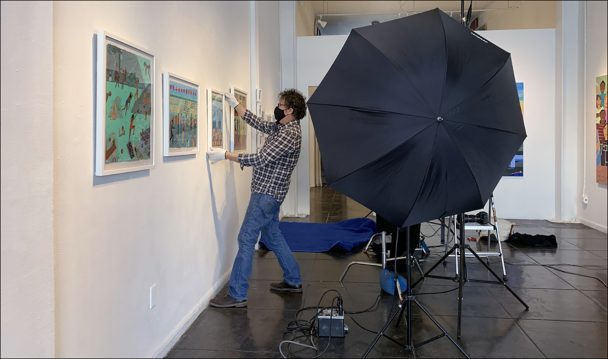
(567, 316)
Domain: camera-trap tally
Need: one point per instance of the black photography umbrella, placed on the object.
(417, 118)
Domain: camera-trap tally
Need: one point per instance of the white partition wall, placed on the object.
(533, 55)
(28, 293)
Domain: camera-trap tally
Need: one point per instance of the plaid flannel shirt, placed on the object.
(274, 163)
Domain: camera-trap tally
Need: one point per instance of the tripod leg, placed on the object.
(499, 279)
(408, 268)
(462, 273)
(445, 256)
(428, 314)
(381, 333)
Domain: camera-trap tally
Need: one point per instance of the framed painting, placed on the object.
(601, 131)
(180, 115)
(216, 128)
(124, 118)
(238, 126)
(516, 167)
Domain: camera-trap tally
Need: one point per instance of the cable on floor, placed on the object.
(307, 328)
(552, 266)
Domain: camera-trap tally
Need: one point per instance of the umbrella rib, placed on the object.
(374, 110)
(486, 127)
(389, 151)
(464, 158)
(484, 84)
(426, 174)
(398, 68)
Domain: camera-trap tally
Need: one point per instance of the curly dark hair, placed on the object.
(294, 99)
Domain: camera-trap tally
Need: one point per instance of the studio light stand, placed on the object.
(409, 299)
(462, 247)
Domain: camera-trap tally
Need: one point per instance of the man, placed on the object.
(272, 168)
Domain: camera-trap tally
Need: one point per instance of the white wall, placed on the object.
(28, 326)
(269, 52)
(297, 201)
(305, 18)
(174, 226)
(594, 213)
(519, 15)
(531, 196)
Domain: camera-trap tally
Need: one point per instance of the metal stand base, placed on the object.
(462, 275)
(409, 299)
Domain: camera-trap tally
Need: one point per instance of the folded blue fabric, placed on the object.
(322, 237)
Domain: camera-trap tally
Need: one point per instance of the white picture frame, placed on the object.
(216, 104)
(239, 130)
(123, 142)
(181, 105)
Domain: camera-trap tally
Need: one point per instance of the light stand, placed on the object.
(409, 299)
(461, 246)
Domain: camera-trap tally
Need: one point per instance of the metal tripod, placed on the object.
(461, 246)
(409, 299)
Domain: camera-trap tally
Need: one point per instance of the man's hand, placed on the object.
(216, 154)
(232, 101)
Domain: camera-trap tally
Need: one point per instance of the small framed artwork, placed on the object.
(238, 127)
(180, 115)
(216, 129)
(124, 106)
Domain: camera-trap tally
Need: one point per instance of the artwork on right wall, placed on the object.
(601, 131)
(516, 167)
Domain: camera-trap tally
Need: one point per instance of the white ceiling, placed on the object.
(396, 7)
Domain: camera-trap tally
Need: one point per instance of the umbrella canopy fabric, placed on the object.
(417, 118)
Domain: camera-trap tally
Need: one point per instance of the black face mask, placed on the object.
(278, 114)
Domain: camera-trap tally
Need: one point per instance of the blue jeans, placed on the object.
(262, 216)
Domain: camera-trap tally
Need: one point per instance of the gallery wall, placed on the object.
(27, 317)
(530, 196)
(594, 213)
(527, 14)
(173, 227)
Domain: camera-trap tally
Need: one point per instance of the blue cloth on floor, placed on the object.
(322, 237)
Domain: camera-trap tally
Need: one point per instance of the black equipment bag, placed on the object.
(529, 240)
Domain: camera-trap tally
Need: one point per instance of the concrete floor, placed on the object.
(567, 316)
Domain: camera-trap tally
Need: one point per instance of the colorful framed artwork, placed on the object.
(516, 167)
(238, 127)
(180, 116)
(216, 128)
(124, 118)
(601, 131)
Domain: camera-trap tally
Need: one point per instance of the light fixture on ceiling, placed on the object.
(321, 22)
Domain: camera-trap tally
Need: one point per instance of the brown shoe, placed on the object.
(285, 288)
(227, 302)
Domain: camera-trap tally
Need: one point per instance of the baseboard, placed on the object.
(599, 227)
(187, 321)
